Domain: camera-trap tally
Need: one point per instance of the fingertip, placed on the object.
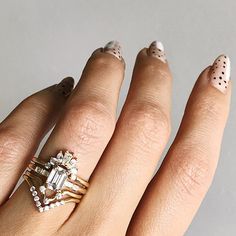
(109, 54)
(97, 51)
(153, 54)
(65, 87)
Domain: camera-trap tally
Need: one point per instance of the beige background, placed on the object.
(43, 41)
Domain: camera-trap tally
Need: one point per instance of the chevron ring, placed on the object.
(55, 182)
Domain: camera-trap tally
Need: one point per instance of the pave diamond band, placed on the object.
(55, 182)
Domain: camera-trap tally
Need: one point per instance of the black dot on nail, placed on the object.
(159, 50)
(159, 56)
(220, 77)
(219, 60)
(153, 51)
(224, 62)
(219, 83)
(225, 86)
(223, 66)
(223, 72)
(214, 78)
(225, 81)
(225, 57)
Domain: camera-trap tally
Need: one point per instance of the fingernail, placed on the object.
(156, 49)
(66, 86)
(220, 73)
(113, 48)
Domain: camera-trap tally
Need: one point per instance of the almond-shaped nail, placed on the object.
(220, 73)
(66, 86)
(156, 49)
(113, 48)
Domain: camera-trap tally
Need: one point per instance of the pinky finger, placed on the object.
(176, 192)
(22, 131)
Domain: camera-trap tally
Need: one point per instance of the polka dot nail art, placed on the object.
(65, 87)
(220, 73)
(114, 49)
(156, 49)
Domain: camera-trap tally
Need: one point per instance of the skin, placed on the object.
(118, 157)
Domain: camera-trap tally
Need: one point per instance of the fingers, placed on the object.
(23, 129)
(178, 188)
(85, 128)
(90, 116)
(132, 154)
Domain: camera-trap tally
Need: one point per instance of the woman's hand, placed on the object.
(121, 157)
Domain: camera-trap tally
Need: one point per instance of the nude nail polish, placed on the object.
(220, 73)
(156, 49)
(65, 87)
(113, 48)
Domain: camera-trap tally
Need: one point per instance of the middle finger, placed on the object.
(130, 159)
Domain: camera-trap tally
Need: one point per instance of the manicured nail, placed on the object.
(220, 73)
(114, 49)
(156, 49)
(66, 86)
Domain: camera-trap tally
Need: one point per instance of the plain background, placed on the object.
(43, 41)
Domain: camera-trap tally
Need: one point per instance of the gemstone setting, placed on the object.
(59, 179)
(56, 178)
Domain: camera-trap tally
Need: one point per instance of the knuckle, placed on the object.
(190, 170)
(34, 104)
(89, 121)
(148, 125)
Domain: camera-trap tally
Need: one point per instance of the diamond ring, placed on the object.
(55, 182)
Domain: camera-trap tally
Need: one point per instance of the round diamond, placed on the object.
(42, 189)
(57, 204)
(52, 205)
(73, 177)
(38, 204)
(73, 161)
(34, 193)
(36, 198)
(40, 209)
(62, 202)
(32, 189)
(46, 208)
(74, 171)
(46, 201)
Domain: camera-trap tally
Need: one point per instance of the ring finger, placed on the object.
(84, 128)
(178, 188)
